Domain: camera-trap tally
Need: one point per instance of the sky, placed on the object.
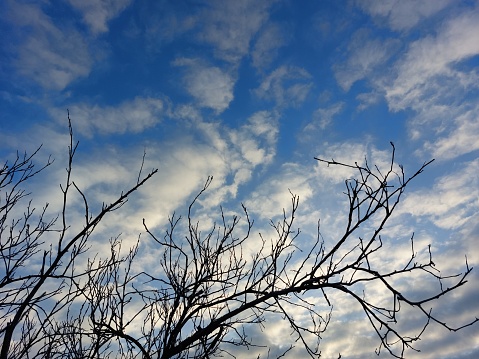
(250, 92)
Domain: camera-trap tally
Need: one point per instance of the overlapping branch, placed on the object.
(207, 287)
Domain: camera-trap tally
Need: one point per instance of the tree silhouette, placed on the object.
(206, 290)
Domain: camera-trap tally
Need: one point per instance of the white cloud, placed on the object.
(462, 139)
(262, 125)
(130, 116)
(270, 39)
(322, 118)
(365, 56)
(212, 88)
(368, 99)
(230, 26)
(185, 163)
(347, 152)
(287, 86)
(451, 202)
(330, 179)
(431, 58)
(102, 173)
(427, 80)
(403, 14)
(434, 79)
(167, 28)
(250, 146)
(157, 23)
(209, 85)
(184, 167)
(348, 319)
(208, 148)
(273, 195)
(96, 13)
(50, 55)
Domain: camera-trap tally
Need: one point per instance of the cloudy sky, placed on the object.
(250, 92)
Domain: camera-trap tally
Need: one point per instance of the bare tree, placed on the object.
(38, 276)
(206, 289)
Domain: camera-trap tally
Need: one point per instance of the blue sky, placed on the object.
(249, 92)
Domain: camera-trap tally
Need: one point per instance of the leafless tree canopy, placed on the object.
(58, 300)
